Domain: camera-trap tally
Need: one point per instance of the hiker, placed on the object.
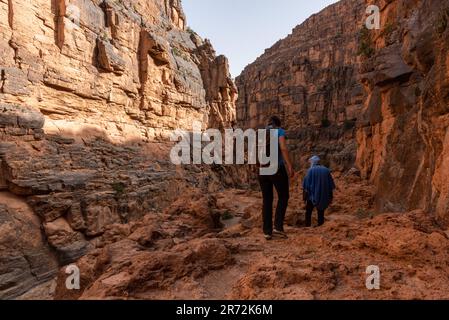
(280, 181)
(318, 187)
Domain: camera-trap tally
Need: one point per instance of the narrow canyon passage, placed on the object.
(178, 254)
(92, 91)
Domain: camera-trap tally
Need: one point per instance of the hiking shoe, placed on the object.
(268, 237)
(280, 233)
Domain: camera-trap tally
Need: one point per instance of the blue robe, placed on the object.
(319, 186)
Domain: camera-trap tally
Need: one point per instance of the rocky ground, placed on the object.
(211, 247)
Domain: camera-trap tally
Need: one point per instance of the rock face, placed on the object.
(220, 88)
(155, 253)
(403, 135)
(134, 61)
(25, 260)
(311, 80)
(89, 93)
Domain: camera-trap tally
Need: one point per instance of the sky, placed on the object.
(243, 29)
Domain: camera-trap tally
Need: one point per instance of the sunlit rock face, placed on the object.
(311, 80)
(129, 68)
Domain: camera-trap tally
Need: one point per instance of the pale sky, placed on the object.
(243, 29)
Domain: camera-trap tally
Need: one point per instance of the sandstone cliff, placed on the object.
(377, 99)
(311, 80)
(87, 89)
(133, 61)
(403, 135)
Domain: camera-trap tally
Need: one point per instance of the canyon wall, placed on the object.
(133, 61)
(90, 91)
(376, 99)
(311, 80)
(403, 133)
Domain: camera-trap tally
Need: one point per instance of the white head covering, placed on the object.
(314, 161)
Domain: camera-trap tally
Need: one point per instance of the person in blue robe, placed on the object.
(318, 190)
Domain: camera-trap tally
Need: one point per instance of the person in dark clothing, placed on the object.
(309, 212)
(280, 181)
(318, 188)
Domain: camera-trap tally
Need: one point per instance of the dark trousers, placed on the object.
(309, 211)
(280, 182)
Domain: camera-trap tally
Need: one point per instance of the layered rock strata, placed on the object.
(311, 80)
(129, 68)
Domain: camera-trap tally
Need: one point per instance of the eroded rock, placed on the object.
(402, 137)
(25, 257)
